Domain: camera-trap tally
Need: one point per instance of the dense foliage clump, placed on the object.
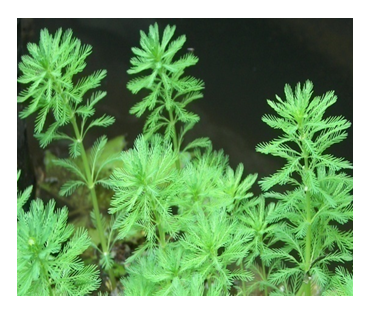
(200, 229)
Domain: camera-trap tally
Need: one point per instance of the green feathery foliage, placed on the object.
(341, 284)
(49, 71)
(23, 196)
(211, 183)
(256, 219)
(144, 188)
(183, 205)
(169, 91)
(201, 239)
(203, 183)
(213, 242)
(161, 273)
(204, 233)
(48, 250)
(321, 200)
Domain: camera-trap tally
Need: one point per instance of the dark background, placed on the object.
(243, 62)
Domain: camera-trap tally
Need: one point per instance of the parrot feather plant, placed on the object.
(313, 213)
(181, 205)
(48, 250)
(201, 230)
(49, 70)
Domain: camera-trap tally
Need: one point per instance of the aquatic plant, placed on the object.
(169, 91)
(201, 230)
(182, 205)
(49, 72)
(341, 283)
(320, 202)
(48, 250)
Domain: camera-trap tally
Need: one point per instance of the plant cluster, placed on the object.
(202, 230)
(48, 250)
(50, 69)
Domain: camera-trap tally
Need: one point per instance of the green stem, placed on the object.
(162, 236)
(265, 278)
(45, 273)
(264, 275)
(308, 242)
(175, 140)
(306, 285)
(161, 233)
(307, 288)
(210, 282)
(301, 290)
(97, 213)
(243, 282)
(168, 98)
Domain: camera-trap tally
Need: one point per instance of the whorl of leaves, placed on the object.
(321, 201)
(49, 70)
(169, 91)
